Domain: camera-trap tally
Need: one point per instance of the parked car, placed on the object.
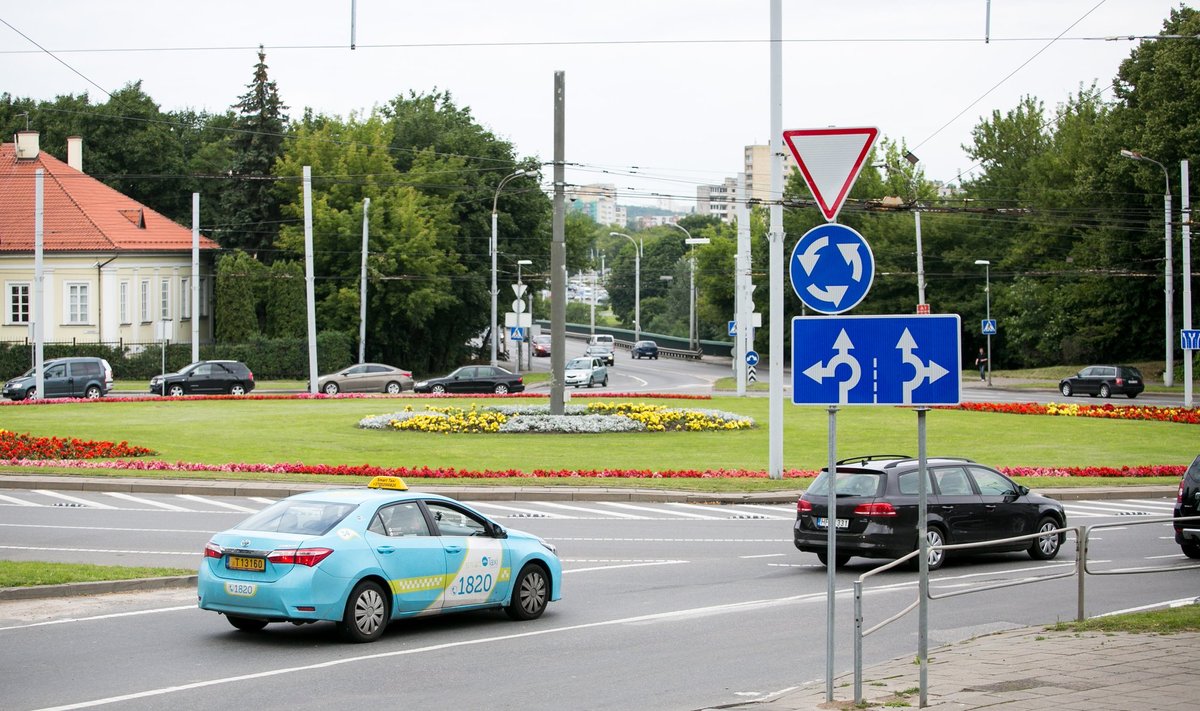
(474, 379)
(214, 377)
(644, 349)
(366, 378)
(601, 351)
(878, 501)
(1105, 381)
(541, 346)
(81, 376)
(362, 557)
(1187, 503)
(586, 370)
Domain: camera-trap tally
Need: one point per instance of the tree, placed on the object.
(237, 298)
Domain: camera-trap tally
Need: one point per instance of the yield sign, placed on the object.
(830, 159)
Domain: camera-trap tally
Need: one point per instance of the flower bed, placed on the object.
(27, 447)
(1108, 411)
(594, 418)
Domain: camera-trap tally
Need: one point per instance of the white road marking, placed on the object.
(587, 510)
(633, 507)
(261, 500)
(73, 499)
(96, 550)
(589, 539)
(98, 617)
(18, 502)
(626, 565)
(214, 502)
(108, 528)
(518, 509)
(765, 555)
(147, 502)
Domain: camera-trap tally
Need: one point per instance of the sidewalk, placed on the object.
(1026, 669)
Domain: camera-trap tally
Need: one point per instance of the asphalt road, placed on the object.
(666, 606)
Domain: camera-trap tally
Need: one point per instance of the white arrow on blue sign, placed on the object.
(832, 268)
(752, 358)
(732, 329)
(1189, 340)
(876, 360)
(988, 326)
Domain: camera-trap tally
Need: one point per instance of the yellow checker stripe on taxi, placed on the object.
(420, 584)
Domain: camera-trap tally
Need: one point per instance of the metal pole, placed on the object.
(362, 289)
(310, 282)
(527, 336)
(920, 261)
(923, 582)
(858, 625)
(558, 254)
(1186, 210)
(492, 337)
(831, 516)
(39, 286)
(987, 276)
(692, 300)
(775, 238)
(195, 295)
(1169, 292)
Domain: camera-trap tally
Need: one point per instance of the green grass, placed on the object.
(1166, 621)
(15, 574)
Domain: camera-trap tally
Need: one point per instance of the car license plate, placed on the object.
(841, 523)
(241, 589)
(237, 562)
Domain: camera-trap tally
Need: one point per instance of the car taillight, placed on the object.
(803, 506)
(250, 375)
(1120, 382)
(876, 509)
(299, 556)
(212, 550)
(1179, 494)
(406, 374)
(520, 380)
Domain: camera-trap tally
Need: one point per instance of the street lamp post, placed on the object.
(1169, 291)
(691, 241)
(637, 284)
(528, 333)
(987, 290)
(494, 250)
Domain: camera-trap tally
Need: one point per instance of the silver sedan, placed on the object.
(366, 378)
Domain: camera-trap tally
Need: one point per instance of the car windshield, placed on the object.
(298, 516)
(848, 484)
(580, 364)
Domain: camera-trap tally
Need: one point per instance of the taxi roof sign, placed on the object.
(387, 482)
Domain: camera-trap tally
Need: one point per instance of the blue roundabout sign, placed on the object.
(832, 268)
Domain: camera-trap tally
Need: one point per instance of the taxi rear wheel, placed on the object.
(366, 613)
(246, 624)
(530, 594)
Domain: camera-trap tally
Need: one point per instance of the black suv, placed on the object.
(1105, 381)
(1187, 503)
(877, 510)
(217, 377)
(82, 376)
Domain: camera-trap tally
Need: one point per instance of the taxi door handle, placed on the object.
(990, 507)
(454, 549)
(386, 549)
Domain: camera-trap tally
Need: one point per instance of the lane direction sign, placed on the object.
(830, 160)
(752, 358)
(876, 360)
(831, 268)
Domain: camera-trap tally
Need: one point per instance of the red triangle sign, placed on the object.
(830, 159)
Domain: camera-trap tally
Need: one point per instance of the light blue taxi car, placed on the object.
(362, 557)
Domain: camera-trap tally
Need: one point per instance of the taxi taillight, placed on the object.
(299, 556)
(212, 550)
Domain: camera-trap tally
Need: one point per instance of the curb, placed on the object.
(99, 587)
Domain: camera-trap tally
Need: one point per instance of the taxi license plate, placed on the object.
(237, 562)
(841, 523)
(241, 589)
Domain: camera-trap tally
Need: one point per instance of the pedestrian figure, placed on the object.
(981, 361)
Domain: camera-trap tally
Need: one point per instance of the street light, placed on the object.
(529, 332)
(987, 290)
(1169, 291)
(692, 344)
(494, 250)
(637, 284)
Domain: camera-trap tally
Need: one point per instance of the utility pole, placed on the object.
(558, 255)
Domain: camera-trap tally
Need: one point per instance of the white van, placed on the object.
(602, 339)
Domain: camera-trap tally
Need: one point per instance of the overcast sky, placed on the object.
(661, 95)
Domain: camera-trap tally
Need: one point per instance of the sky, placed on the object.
(661, 95)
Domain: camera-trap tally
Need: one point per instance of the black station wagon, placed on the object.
(1105, 381)
(878, 501)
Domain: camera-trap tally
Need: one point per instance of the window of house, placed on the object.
(145, 303)
(164, 297)
(185, 298)
(77, 303)
(18, 303)
(123, 297)
(203, 297)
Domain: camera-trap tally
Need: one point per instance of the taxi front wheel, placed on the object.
(366, 613)
(530, 594)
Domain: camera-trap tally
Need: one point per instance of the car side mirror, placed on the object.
(498, 531)
(1022, 490)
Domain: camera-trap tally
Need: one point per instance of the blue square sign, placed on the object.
(876, 360)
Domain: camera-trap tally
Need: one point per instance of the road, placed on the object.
(666, 606)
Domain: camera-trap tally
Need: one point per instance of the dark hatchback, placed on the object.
(878, 501)
(1105, 381)
(1187, 503)
(474, 379)
(644, 349)
(205, 377)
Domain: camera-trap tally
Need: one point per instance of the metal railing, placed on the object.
(1079, 569)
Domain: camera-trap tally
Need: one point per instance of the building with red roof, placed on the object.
(113, 269)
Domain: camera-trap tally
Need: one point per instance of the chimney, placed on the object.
(75, 152)
(27, 145)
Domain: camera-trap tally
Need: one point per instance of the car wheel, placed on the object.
(591, 383)
(1066, 389)
(366, 613)
(175, 391)
(1191, 549)
(246, 624)
(531, 593)
(30, 394)
(604, 384)
(438, 389)
(393, 388)
(500, 389)
(937, 558)
(839, 560)
(1104, 391)
(92, 392)
(1046, 546)
(1131, 395)
(237, 389)
(331, 388)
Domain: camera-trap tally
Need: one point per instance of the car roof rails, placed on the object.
(940, 459)
(873, 457)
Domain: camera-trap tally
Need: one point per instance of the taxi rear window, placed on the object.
(314, 518)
